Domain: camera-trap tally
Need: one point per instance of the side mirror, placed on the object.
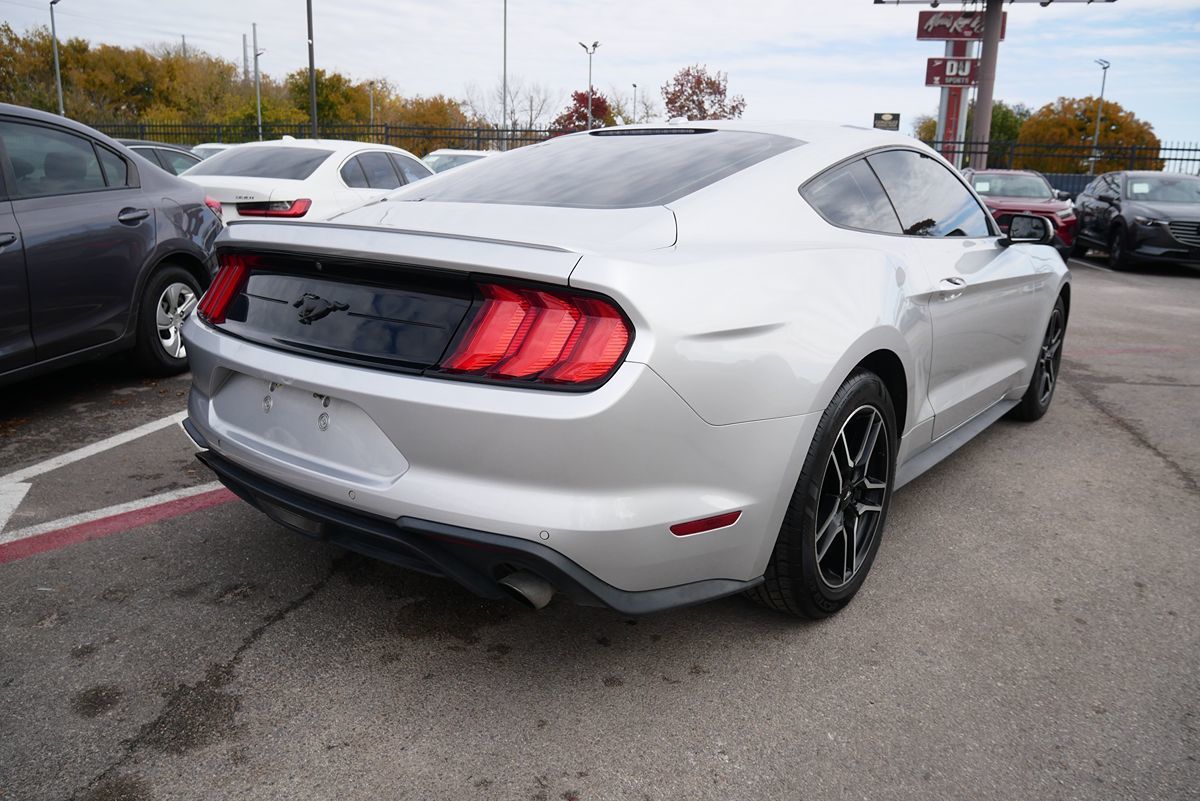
(1061, 195)
(1109, 199)
(1028, 229)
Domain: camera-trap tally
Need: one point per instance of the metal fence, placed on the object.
(1076, 159)
(418, 140)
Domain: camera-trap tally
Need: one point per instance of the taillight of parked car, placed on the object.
(543, 335)
(215, 205)
(275, 208)
(231, 278)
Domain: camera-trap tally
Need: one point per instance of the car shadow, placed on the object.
(1166, 269)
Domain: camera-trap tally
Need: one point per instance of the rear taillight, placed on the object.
(275, 208)
(543, 335)
(215, 205)
(221, 292)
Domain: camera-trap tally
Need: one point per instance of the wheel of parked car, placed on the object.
(169, 297)
(832, 527)
(1037, 397)
(1117, 244)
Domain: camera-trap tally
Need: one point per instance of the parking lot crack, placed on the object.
(199, 714)
(1087, 392)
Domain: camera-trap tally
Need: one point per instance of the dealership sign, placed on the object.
(952, 72)
(954, 25)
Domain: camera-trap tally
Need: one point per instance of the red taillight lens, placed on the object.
(549, 336)
(275, 208)
(229, 281)
(215, 205)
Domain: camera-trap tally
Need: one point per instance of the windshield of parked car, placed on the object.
(1163, 188)
(1000, 185)
(447, 160)
(606, 169)
(292, 163)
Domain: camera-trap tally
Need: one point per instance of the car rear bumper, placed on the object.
(597, 477)
(474, 559)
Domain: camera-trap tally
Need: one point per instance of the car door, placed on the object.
(16, 342)
(983, 303)
(367, 175)
(88, 229)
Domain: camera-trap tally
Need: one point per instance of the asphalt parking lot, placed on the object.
(1031, 629)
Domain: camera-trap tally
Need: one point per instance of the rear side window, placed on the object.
(411, 169)
(852, 196)
(606, 170)
(116, 170)
(929, 199)
(46, 161)
(175, 161)
(256, 161)
(353, 175)
(379, 170)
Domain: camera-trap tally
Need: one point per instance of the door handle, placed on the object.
(952, 287)
(7, 238)
(132, 215)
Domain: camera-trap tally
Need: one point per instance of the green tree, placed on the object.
(338, 99)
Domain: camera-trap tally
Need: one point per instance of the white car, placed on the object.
(309, 178)
(641, 367)
(445, 158)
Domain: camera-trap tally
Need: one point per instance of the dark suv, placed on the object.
(99, 252)
(1142, 216)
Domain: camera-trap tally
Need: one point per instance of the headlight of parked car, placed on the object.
(1140, 220)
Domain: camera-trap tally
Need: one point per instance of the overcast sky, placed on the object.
(815, 59)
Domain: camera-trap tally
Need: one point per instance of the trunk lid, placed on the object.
(230, 190)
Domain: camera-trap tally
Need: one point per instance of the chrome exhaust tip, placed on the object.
(531, 590)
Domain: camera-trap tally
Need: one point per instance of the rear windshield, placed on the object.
(605, 169)
(293, 163)
(993, 184)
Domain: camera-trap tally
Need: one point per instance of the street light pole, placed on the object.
(371, 90)
(635, 104)
(57, 73)
(504, 82)
(257, 84)
(312, 76)
(1104, 65)
(590, 53)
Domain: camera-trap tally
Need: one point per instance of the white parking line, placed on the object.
(70, 457)
(11, 496)
(108, 511)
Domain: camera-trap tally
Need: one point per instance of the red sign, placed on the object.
(952, 72)
(954, 25)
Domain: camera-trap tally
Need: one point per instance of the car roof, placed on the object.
(338, 146)
(450, 151)
(149, 143)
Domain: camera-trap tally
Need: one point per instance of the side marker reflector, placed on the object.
(705, 524)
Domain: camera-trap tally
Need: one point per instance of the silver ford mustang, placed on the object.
(642, 367)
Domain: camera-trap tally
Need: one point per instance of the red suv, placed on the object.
(1009, 192)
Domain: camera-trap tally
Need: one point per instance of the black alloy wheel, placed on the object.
(833, 526)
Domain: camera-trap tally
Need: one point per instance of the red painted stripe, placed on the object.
(94, 529)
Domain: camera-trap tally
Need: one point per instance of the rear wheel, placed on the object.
(171, 294)
(1037, 397)
(833, 525)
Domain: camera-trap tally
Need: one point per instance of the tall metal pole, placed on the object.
(245, 60)
(635, 103)
(257, 85)
(57, 72)
(1104, 65)
(504, 82)
(590, 53)
(312, 75)
(371, 90)
(183, 37)
(981, 130)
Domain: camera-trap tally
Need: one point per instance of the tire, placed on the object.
(1118, 242)
(804, 577)
(170, 295)
(1040, 393)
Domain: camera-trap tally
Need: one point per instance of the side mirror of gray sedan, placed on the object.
(1029, 229)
